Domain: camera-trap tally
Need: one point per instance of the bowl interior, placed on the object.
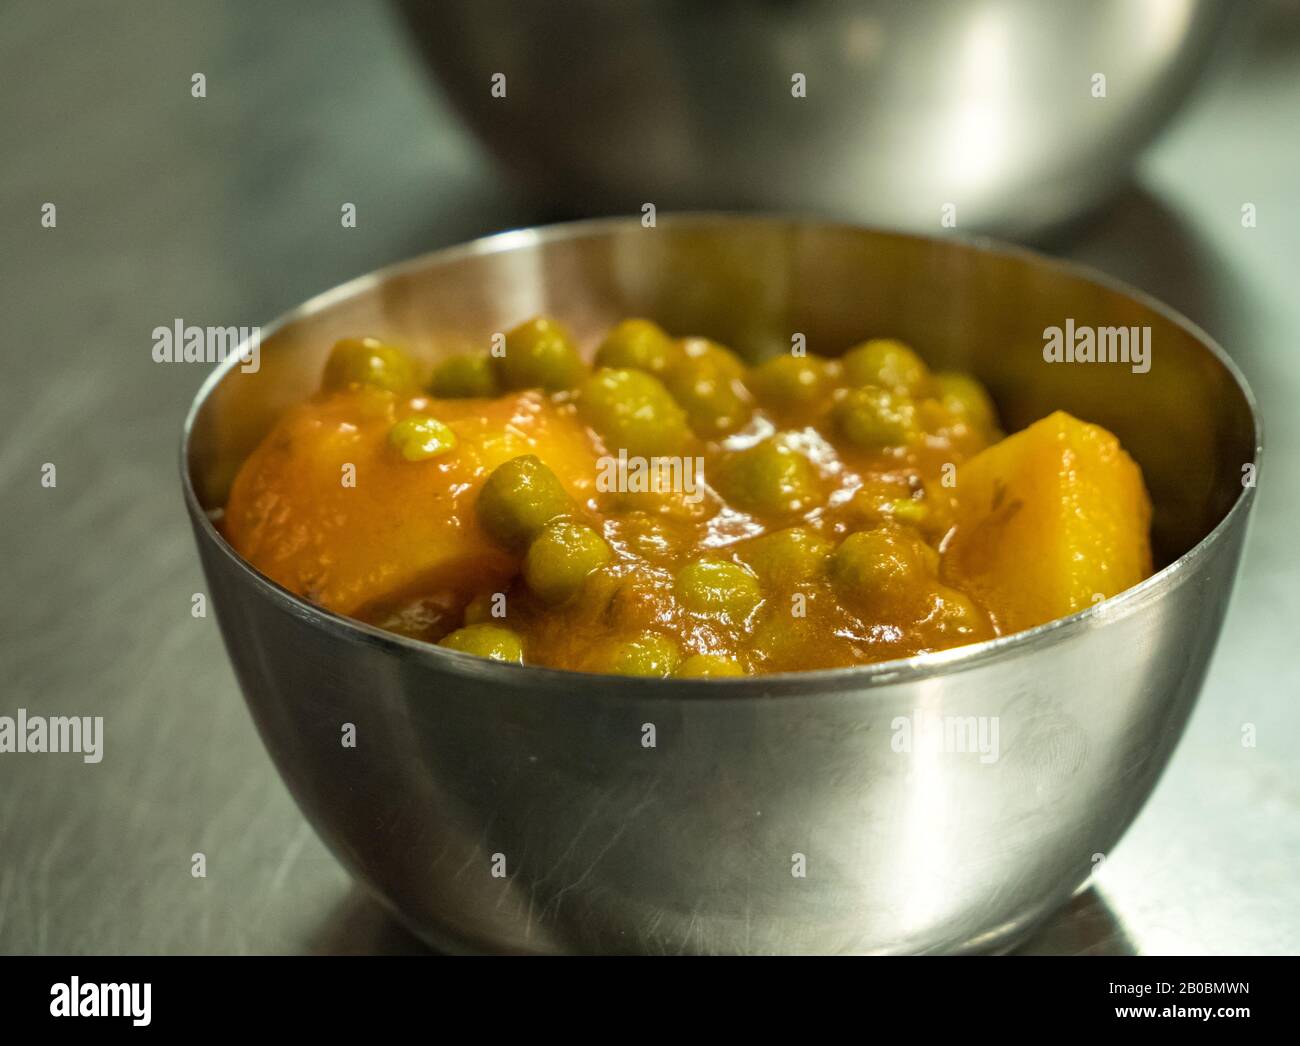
(755, 284)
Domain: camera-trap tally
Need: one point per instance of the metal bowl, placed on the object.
(500, 807)
(989, 107)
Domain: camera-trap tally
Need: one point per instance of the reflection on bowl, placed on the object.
(513, 808)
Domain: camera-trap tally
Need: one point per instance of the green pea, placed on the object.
(706, 381)
(716, 586)
(632, 411)
(908, 510)
(561, 556)
(637, 345)
(879, 567)
(480, 609)
(769, 477)
(699, 666)
(791, 382)
(648, 655)
(490, 641)
(782, 642)
(874, 418)
(368, 361)
(887, 363)
(787, 557)
(467, 376)
(520, 497)
(420, 437)
(958, 616)
(540, 354)
(967, 398)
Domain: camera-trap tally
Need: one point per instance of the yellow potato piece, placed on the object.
(330, 510)
(1048, 520)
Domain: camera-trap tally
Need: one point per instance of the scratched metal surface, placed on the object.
(226, 210)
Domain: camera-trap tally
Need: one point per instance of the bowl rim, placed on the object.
(854, 677)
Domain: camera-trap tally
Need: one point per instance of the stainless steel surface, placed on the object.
(988, 107)
(226, 211)
(515, 808)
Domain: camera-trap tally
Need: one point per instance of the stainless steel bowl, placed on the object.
(987, 106)
(464, 768)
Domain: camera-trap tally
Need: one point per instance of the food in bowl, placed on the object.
(670, 510)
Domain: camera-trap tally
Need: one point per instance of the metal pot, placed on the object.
(504, 807)
(986, 114)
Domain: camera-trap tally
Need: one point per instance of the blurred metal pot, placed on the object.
(1001, 115)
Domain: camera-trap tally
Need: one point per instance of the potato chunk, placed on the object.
(344, 537)
(1047, 520)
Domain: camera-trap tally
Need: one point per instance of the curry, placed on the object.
(670, 510)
